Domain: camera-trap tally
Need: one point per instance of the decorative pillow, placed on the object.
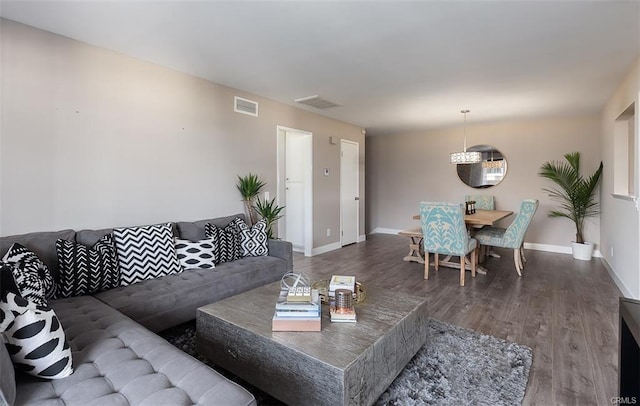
(31, 274)
(226, 241)
(145, 253)
(253, 240)
(84, 271)
(36, 341)
(196, 254)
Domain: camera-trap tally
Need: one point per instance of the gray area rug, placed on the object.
(455, 366)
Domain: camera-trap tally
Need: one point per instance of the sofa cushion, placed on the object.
(194, 230)
(84, 270)
(43, 244)
(7, 377)
(31, 275)
(89, 238)
(118, 362)
(35, 339)
(162, 303)
(196, 254)
(145, 253)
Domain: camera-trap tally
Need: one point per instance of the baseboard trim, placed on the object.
(362, 238)
(326, 248)
(623, 288)
(560, 249)
(381, 230)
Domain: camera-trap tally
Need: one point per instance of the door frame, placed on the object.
(308, 184)
(357, 145)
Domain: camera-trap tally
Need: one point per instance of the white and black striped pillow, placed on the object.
(84, 271)
(31, 274)
(36, 341)
(226, 241)
(196, 254)
(145, 253)
(253, 240)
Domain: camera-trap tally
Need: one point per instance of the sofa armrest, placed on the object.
(282, 249)
(7, 376)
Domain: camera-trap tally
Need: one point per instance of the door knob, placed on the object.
(357, 198)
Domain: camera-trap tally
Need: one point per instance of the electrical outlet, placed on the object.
(266, 196)
(328, 232)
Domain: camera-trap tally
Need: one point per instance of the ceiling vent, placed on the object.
(317, 102)
(245, 106)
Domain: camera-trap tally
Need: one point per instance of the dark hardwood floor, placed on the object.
(564, 309)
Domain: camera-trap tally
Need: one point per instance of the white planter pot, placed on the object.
(582, 252)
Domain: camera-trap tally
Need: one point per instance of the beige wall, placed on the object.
(620, 227)
(92, 138)
(402, 170)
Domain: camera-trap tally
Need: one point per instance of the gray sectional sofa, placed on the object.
(117, 358)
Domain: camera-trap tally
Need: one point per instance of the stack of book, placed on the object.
(342, 314)
(294, 314)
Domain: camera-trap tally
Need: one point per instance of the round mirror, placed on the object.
(489, 172)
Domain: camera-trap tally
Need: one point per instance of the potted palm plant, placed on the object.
(249, 186)
(576, 195)
(270, 213)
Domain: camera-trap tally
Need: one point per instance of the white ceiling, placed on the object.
(392, 66)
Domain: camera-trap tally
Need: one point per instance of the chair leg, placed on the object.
(520, 262)
(524, 259)
(516, 260)
(426, 265)
(462, 270)
(435, 260)
(474, 261)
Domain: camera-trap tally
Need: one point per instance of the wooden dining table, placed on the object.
(482, 217)
(479, 218)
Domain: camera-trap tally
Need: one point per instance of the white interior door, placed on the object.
(349, 191)
(294, 189)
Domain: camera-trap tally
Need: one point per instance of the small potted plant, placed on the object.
(249, 186)
(576, 196)
(270, 213)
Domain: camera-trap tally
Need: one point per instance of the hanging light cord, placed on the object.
(464, 149)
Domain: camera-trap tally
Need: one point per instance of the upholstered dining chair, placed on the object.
(444, 232)
(483, 202)
(512, 236)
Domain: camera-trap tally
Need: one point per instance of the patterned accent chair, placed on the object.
(513, 236)
(483, 202)
(444, 232)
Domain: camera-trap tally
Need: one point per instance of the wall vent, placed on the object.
(245, 106)
(317, 102)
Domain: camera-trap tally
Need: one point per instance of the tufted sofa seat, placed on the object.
(165, 302)
(119, 362)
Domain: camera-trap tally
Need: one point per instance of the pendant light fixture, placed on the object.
(465, 157)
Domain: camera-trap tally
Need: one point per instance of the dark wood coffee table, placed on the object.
(344, 364)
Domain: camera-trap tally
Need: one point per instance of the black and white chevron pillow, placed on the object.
(84, 271)
(226, 241)
(31, 274)
(145, 253)
(35, 339)
(196, 254)
(253, 240)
